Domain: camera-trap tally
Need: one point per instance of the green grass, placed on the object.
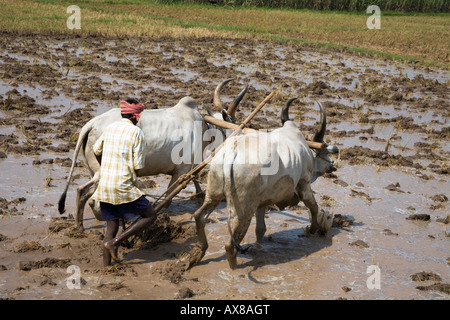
(341, 5)
(406, 36)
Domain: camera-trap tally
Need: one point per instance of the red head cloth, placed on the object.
(131, 108)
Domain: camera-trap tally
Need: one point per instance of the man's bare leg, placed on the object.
(111, 231)
(112, 245)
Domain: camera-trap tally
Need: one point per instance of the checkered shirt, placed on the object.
(122, 148)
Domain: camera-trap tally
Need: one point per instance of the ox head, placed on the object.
(323, 163)
(228, 114)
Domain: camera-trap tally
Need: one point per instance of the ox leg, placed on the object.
(171, 187)
(198, 190)
(260, 229)
(320, 222)
(84, 192)
(198, 252)
(238, 231)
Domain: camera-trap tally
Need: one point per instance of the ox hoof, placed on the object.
(312, 231)
(77, 229)
(325, 220)
(231, 258)
(232, 264)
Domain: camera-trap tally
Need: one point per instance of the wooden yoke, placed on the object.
(232, 126)
(184, 179)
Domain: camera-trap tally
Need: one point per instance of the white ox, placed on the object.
(160, 127)
(280, 174)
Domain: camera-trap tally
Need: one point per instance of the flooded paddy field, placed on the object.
(389, 195)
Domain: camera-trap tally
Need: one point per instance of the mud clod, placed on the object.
(440, 198)
(388, 232)
(59, 224)
(394, 187)
(445, 220)
(340, 221)
(45, 263)
(48, 281)
(425, 276)
(184, 293)
(359, 243)
(28, 246)
(419, 217)
(356, 193)
(346, 289)
(118, 270)
(341, 183)
(174, 271)
(162, 230)
(441, 287)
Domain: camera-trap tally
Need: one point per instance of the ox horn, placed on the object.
(285, 110)
(233, 106)
(318, 137)
(217, 101)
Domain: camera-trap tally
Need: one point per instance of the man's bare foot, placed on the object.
(109, 245)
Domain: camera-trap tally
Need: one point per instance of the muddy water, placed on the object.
(389, 119)
(294, 266)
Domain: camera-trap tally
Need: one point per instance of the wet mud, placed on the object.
(389, 196)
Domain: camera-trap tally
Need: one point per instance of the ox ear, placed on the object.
(209, 111)
(332, 149)
(226, 116)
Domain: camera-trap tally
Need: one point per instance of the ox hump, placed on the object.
(188, 102)
(290, 125)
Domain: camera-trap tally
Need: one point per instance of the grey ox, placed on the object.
(160, 127)
(240, 173)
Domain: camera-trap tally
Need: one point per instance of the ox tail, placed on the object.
(233, 241)
(230, 196)
(80, 143)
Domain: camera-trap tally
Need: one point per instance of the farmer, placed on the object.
(121, 146)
